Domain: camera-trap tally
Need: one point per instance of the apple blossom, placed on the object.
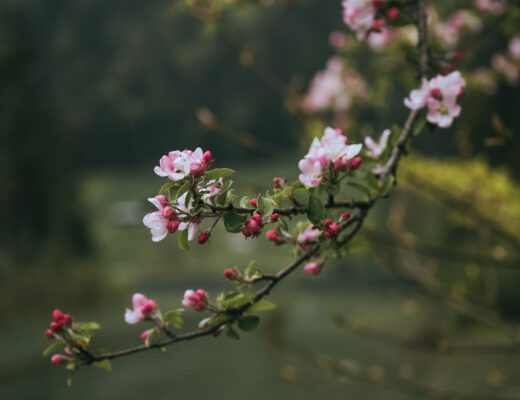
(309, 235)
(312, 268)
(176, 165)
(195, 299)
(359, 15)
(157, 222)
(376, 149)
(142, 308)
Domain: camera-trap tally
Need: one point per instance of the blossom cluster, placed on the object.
(196, 299)
(177, 165)
(329, 153)
(365, 16)
(440, 95)
(457, 23)
(142, 308)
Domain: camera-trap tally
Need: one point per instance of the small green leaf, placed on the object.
(81, 338)
(88, 326)
(316, 211)
(183, 189)
(231, 333)
(248, 323)
(182, 240)
(387, 185)
(262, 305)
(283, 224)
(265, 206)
(419, 126)
(174, 318)
(105, 364)
(54, 348)
(245, 202)
(151, 337)
(372, 181)
(165, 189)
(233, 222)
(218, 173)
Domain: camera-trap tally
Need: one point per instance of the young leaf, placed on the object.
(248, 323)
(419, 126)
(387, 185)
(183, 189)
(54, 348)
(361, 188)
(233, 222)
(174, 318)
(231, 333)
(245, 202)
(105, 364)
(262, 305)
(88, 326)
(316, 211)
(218, 173)
(182, 240)
(265, 206)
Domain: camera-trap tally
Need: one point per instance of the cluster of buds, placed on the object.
(274, 237)
(143, 308)
(253, 226)
(59, 321)
(196, 299)
(331, 228)
(279, 182)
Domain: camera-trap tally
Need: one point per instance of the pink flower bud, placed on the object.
(144, 335)
(326, 222)
(393, 13)
(207, 156)
(173, 225)
(49, 334)
(341, 164)
(203, 237)
(274, 217)
(197, 168)
(148, 307)
(258, 218)
(195, 299)
(272, 236)
(334, 229)
(162, 199)
(355, 163)
(56, 359)
(312, 269)
(279, 182)
(168, 212)
(57, 315)
(378, 23)
(67, 319)
(55, 326)
(252, 226)
(246, 232)
(230, 273)
(436, 93)
(345, 215)
(202, 294)
(253, 202)
(377, 4)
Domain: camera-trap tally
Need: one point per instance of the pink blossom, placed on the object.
(195, 299)
(330, 150)
(211, 188)
(177, 165)
(309, 235)
(502, 64)
(338, 39)
(496, 7)
(184, 211)
(514, 48)
(312, 268)
(375, 149)
(156, 221)
(142, 308)
(378, 40)
(440, 94)
(359, 15)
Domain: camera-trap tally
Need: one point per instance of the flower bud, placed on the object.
(56, 359)
(275, 217)
(168, 212)
(197, 168)
(377, 4)
(202, 294)
(49, 334)
(246, 232)
(203, 237)
(393, 13)
(345, 215)
(253, 202)
(57, 315)
(144, 335)
(149, 306)
(231, 273)
(162, 199)
(55, 326)
(279, 182)
(335, 229)
(312, 269)
(355, 163)
(207, 156)
(252, 226)
(173, 225)
(67, 319)
(436, 93)
(258, 218)
(378, 23)
(326, 222)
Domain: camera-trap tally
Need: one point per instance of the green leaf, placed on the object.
(88, 326)
(81, 338)
(245, 202)
(233, 222)
(105, 364)
(174, 318)
(387, 185)
(316, 211)
(248, 323)
(250, 267)
(231, 333)
(265, 206)
(54, 348)
(283, 224)
(218, 173)
(372, 181)
(165, 189)
(235, 299)
(182, 240)
(419, 126)
(262, 305)
(361, 188)
(183, 189)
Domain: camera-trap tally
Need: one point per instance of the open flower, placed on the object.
(359, 15)
(142, 308)
(176, 165)
(156, 221)
(309, 235)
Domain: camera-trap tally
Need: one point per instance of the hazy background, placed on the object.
(92, 93)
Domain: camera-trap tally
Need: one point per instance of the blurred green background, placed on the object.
(92, 93)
